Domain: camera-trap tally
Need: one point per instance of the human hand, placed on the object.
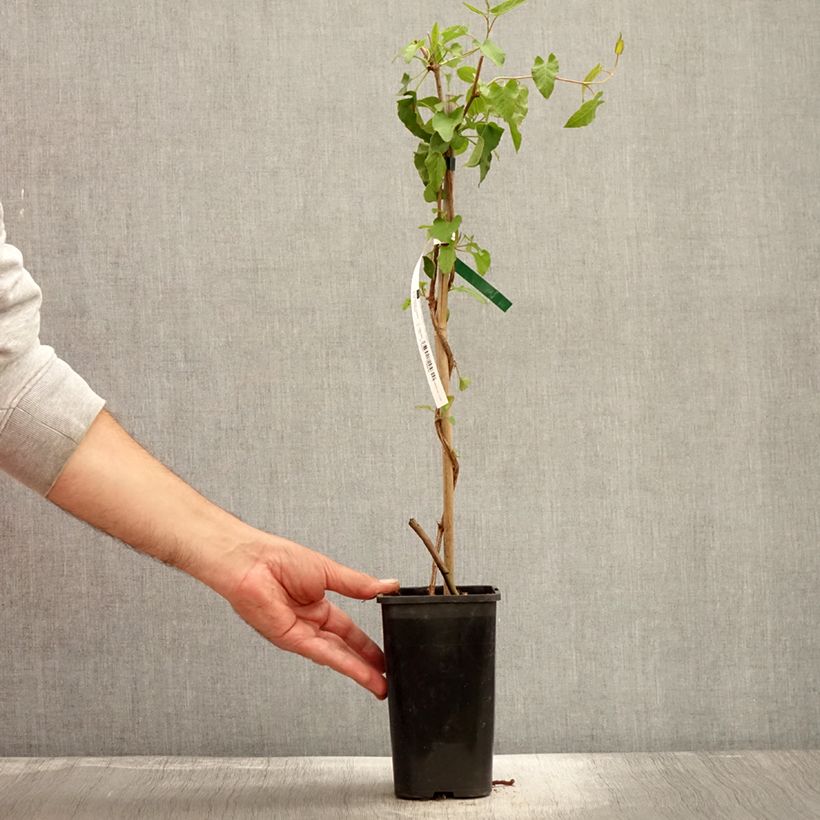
(276, 585)
(282, 596)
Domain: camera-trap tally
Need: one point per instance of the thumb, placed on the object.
(354, 584)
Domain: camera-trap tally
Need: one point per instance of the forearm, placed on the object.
(112, 483)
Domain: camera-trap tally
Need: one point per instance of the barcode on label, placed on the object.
(431, 371)
(428, 361)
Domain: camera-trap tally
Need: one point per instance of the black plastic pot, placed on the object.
(440, 659)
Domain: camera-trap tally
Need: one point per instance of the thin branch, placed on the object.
(562, 79)
(589, 82)
(474, 89)
(437, 75)
(459, 57)
(431, 588)
(516, 77)
(423, 76)
(431, 295)
(416, 527)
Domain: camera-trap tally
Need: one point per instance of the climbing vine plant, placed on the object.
(467, 113)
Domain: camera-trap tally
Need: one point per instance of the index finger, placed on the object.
(330, 650)
(355, 584)
(341, 624)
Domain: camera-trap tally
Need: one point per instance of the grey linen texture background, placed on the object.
(220, 206)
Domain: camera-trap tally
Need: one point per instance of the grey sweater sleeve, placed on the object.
(45, 407)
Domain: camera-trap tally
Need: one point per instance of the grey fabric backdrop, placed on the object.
(221, 207)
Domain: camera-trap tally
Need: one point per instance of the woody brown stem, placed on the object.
(442, 339)
(444, 429)
(431, 587)
(444, 361)
(474, 90)
(416, 527)
(449, 452)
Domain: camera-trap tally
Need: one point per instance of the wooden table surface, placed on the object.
(774, 785)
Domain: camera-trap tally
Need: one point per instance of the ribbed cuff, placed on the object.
(46, 425)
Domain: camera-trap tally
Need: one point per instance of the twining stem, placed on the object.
(444, 429)
(452, 588)
(431, 587)
(437, 301)
(444, 360)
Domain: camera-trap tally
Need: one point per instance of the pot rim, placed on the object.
(471, 594)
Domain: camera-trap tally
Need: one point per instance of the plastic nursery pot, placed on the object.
(440, 661)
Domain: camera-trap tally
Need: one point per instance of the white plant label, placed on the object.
(425, 351)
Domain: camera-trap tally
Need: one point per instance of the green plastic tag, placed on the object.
(482, 285)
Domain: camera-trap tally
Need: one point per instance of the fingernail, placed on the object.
(393, 581)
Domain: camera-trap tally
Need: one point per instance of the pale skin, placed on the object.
(276, 585)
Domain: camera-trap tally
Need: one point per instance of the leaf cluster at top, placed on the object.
(475, 115)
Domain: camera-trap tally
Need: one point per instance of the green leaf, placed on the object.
(434, 35)
(491, 50)
(508, 101)
(619, 45)
(419, 158)
(405, 80)
(425, 406)
(451, 32)
(409, 115)
(515, 134)
(409, 51)
(438, 144)
(457, 52)
(443, 230)
(466, 73)
(482, 259)
(405, 304)
(477, 11)
(586, 113)
(475, 157)
(435, 167)
(593, 73)
(429, 267)
(543, 73)
(490, 134)
(507, 5)
(444, 124)
(463, 383)
(478, 108)
(446, 258)
(459, 143)
(429, 102)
